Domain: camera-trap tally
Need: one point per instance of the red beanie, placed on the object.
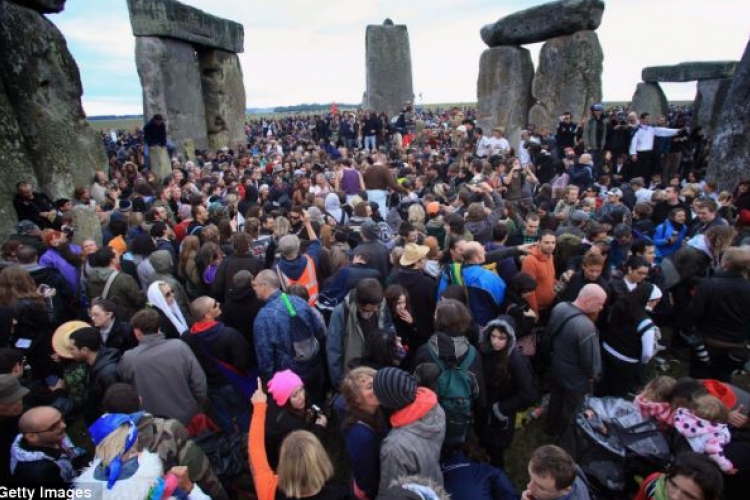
(722, 391)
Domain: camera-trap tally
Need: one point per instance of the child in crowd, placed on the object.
(704, 425)
(655, 400)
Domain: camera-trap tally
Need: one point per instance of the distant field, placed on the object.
(132, 123)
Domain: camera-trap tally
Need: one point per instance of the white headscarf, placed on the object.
(173, 312)
(333, 206)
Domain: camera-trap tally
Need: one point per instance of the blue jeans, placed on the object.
(231, 412)
(371, 142)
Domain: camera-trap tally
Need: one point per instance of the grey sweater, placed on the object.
(576, 358)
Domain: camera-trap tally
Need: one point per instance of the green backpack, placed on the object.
(455, 394)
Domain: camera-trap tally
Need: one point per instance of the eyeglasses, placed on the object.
(51, 428)
(169, 293)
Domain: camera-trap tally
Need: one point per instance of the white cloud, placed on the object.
(301, 51)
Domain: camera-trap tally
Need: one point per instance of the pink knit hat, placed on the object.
(282, 385)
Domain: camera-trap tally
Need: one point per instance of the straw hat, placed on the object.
(61, 337)
(413, 253)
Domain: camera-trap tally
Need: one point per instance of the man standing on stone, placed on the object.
(371, 130)
(642, 151)
(565, 137)
(595, 133)
(154, 134)
(577, 361)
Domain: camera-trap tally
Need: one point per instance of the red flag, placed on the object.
(334, 109)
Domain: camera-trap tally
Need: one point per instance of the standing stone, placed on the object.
(569, 78)
(709, 100)
(16, 165)
(189, 146)
(504, 90)
(87, 225)
(224, 98)
(171, 83)
(43, 87)
(649, 98)
(543, 22)
(388, 63)
(730, 152)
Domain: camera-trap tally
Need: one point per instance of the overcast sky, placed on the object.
(299, 51)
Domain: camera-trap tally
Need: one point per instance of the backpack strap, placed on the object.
(562, 325)
(288, 304)
(108, 284)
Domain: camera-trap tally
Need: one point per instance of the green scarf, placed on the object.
(657, 490)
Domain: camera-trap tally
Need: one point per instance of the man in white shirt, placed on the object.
(642, 152)
(498, 143)
(484, 148)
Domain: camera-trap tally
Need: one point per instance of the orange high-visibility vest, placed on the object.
(308, 279)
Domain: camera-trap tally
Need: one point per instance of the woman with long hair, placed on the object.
(511, 386)
(305, 470)
(187, 268)
(397, 298)
(32, 310)
(364, 428)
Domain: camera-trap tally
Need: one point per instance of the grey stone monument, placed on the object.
(388, 65)
(190, 72)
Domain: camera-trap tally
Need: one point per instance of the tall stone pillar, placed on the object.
(171, 83)
(388, 65)
(568, 78)
(224, 98)
(709, 100)
(504, 90)
(649, 98)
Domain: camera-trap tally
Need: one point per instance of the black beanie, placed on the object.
(394, 388)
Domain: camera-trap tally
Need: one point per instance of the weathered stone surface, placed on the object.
(569, 78)
(189, 147)
(709, 100)
(543, 22)
(649, 98)
(43, 6)
(689, 71)
(160, 162)
(171, 83)
(504, 90)
(223, 97)
(168, 18)
(16, 166)
(388, 63)
(88, 226)
(730, 152)
(43, 87)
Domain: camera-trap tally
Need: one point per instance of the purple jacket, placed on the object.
(51, 258)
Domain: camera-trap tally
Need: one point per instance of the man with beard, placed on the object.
(577, 362)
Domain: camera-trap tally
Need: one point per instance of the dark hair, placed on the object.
(456, 223)
(369, 291)
(452, 317)
(701, 470)
(26, 254)
(121, 398)
(105, 304)
(146, 320)
(685, 390)
(499, 231)
(405, 228)
(89, 338)
(455, 292)
(102, 257)
(635, 262)
(143, 245)
(392, 293)
(553, 461)
(9, 358)
(118, 227)
(639, 247)
(241, 243)
(159, 229)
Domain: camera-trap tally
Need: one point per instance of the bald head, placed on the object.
(42, 426)
(473, 253)
(201, 306)
(591, 299)
(266, 284)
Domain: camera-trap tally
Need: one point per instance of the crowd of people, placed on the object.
(413, 283)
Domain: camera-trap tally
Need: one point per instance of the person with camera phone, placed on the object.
(289, 410)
